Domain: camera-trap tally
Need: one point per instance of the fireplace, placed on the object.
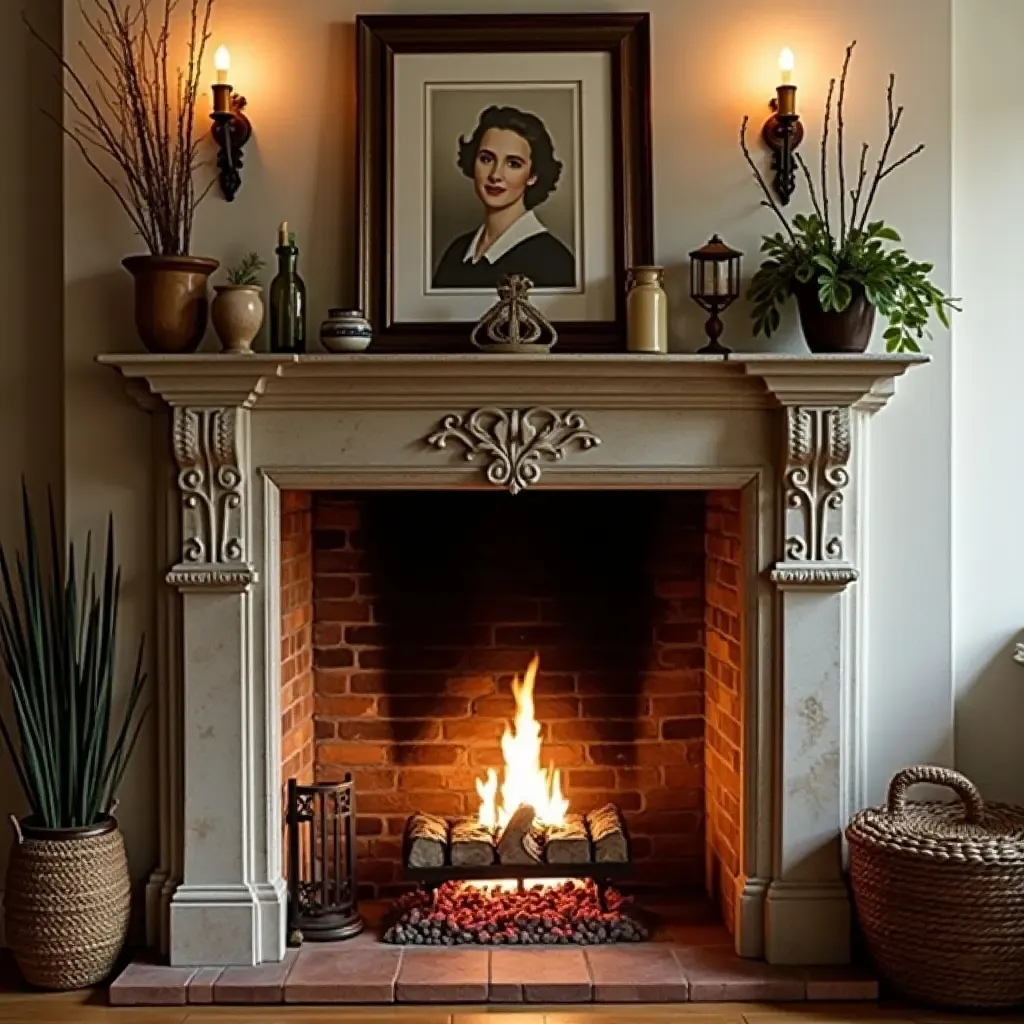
(406, 618)
(568, 498)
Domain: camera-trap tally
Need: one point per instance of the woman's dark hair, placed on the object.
(543, 165)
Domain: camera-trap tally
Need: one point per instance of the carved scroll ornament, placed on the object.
(515, 440)
(211, 479)
(815, 478)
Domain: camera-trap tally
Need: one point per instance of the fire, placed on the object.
(524, 781)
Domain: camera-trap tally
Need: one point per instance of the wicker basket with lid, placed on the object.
(939, 890)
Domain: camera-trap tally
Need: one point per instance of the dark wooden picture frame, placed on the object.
(624, 37)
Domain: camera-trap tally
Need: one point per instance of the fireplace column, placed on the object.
(230, 905)
(807, 910)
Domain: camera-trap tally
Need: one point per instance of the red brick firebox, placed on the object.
(425, 604)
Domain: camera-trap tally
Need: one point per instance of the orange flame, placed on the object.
(524, 781)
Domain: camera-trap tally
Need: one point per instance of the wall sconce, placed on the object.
(714, 284)
(231, 128)
(783, 131)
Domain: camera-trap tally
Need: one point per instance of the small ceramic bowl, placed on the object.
(345, 330)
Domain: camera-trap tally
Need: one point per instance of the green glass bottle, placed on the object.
(287, 299)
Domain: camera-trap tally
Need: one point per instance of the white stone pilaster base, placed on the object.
(807, 923)
(221, 926)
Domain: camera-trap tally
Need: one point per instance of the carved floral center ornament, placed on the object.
(514, 441)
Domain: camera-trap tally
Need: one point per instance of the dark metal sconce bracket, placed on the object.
(782, 134)
(231, 131)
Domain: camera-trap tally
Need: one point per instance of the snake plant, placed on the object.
(58, 639)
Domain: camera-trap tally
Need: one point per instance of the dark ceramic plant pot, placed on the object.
(67, 899)
(831, 332)
(171, 301)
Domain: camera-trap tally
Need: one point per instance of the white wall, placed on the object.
(31, 255)
(711, 64)
(988, 394)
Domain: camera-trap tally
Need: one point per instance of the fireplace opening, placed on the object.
(559, 670)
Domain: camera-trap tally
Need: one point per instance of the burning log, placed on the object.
(519, 843)
(472, 844)
(609, 835)
(427, 839)
(568, 843)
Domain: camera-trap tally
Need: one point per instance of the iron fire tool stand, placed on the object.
(322, 894)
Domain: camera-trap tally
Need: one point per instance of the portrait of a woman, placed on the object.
(510, 159)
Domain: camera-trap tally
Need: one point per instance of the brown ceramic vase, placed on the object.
(171, 302)
(830, 332)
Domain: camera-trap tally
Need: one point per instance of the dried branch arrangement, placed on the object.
(850, 257)
(134, 117)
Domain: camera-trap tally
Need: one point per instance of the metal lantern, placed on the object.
(322, 900)
(714, 285)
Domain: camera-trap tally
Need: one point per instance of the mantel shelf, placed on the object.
(364, 381)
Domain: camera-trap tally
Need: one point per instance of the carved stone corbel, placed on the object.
(210, 450)
(814, 480)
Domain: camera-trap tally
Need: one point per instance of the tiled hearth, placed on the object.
(687, 962)
(771, 449)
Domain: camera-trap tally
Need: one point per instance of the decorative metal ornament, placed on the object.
(322, 897)
(515, 440)
(513, 324)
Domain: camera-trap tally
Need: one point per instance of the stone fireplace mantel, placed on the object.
(788, 432)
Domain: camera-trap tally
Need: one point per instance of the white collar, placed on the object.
(525, 227)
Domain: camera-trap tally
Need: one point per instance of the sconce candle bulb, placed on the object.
(786, 66)
(222, 62)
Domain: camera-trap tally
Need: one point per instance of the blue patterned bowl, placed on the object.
(345, 330)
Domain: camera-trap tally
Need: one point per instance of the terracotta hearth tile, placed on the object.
(645, 973)
(841, 984)
(717, 975)
(688, 936)
(200, 988)
(342, 973)
(443, 976)
(251, 985)
(145, 984)
(540, 975)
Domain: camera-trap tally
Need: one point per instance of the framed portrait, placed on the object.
(494, 145)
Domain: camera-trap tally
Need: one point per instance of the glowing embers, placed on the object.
(460, 913)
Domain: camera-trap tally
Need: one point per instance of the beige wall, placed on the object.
(711, 63)
(31, 254)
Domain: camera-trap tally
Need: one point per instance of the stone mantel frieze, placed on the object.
(613, 381)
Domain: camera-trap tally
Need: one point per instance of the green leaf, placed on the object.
(888, 233)
(804, 273)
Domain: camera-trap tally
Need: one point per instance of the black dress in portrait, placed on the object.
(541, 257)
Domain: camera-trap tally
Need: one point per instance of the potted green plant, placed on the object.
(237, 309)
(67, 890)
(134, 124)
(842, 271)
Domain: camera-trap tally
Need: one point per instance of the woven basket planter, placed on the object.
(66, 903)
(939, 890)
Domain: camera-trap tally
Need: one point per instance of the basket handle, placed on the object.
(974, 806)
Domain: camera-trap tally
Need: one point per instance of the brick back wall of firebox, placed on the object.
(427, 603)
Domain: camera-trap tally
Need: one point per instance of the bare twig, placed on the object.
(824, 158)
(840, 131)
(855, 194)
(770, 203)
(902, 160)
(894, 116)
(129, 116)
(802, 164)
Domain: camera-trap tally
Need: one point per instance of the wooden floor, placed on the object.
(20, 1007)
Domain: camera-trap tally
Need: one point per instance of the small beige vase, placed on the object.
(237, 315)
(646, 311)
